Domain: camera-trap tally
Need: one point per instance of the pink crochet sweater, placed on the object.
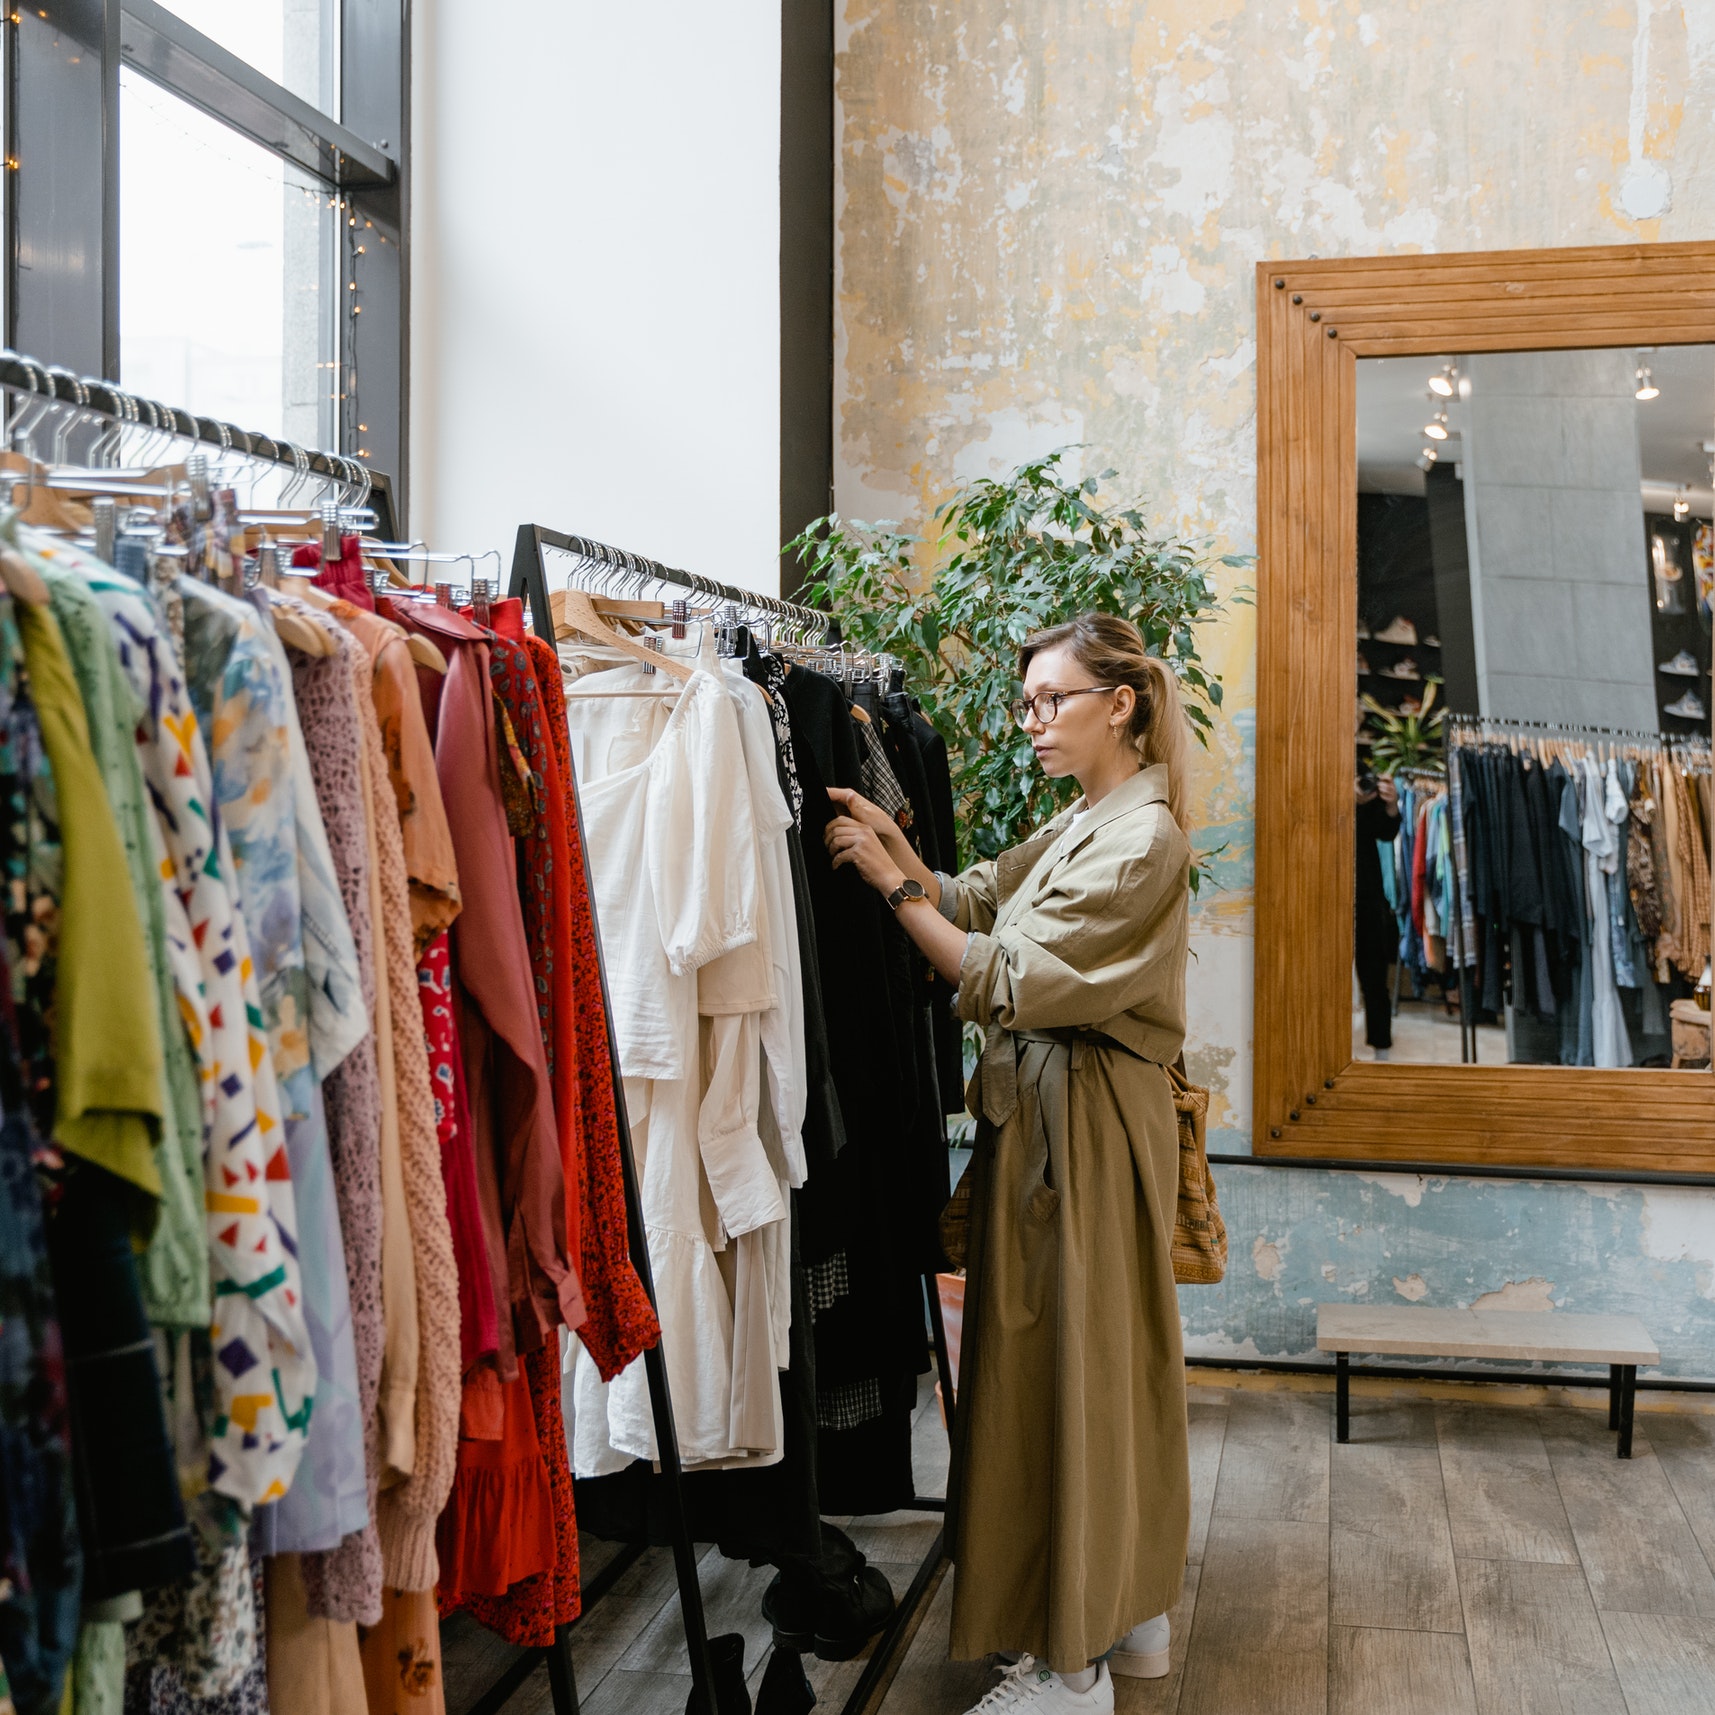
(409, 1510)
(344, 1583)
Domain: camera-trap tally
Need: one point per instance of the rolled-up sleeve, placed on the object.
(974, 896)
(1082, 953)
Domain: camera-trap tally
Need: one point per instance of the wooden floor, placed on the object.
(1455, 1558)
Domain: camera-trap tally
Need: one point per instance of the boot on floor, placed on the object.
(732, 1695)
(831, 1606)
(786, 1688)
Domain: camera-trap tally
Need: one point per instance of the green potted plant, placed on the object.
(1407, 741)
(1009, 556)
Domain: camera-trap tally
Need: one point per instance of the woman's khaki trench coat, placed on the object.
(1071, 1496)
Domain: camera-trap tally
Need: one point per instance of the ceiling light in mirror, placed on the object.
(1647, 388)
(1444, 381)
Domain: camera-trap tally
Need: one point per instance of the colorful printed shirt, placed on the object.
(174, 1270)
(264, 1373)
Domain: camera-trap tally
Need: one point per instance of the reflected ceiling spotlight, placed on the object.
(1436, 427)
(1682, 502)
(1427, 458)
(1445, 382)
(1647, 388)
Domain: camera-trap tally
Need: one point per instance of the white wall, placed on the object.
(595, 298)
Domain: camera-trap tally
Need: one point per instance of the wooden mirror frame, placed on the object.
(1312, 1099)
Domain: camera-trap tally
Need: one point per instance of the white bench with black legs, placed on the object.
(1549, 1337)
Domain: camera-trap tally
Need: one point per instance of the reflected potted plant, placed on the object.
(1414, 741)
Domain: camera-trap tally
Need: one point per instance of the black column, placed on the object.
(806, 267)
(375, 102)
(62, 143)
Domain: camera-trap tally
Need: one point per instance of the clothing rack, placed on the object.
(529, 580)
(629, 569)
(1478, 729)
(105, 402)
(1691, 751)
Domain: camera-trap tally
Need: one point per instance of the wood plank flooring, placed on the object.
(1455, 1558)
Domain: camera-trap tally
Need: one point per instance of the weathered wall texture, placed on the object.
(1049, 218)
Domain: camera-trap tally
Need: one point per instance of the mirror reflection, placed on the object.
(1536, 571)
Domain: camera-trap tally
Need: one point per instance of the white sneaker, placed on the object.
(1682, 666)
(1143, 1652)
(1034, 1686)
(1399, 630)
(1688, 708)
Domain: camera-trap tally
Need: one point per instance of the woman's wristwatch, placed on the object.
(907, 889)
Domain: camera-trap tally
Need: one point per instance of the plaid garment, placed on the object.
(848, 1406)
(875, 774)
(828, 1282)
(1463, 944)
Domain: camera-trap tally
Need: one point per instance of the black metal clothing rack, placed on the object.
(529, 580)
(92, 396)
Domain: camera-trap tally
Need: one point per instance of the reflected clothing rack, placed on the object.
(1682, 756)
(529, 581)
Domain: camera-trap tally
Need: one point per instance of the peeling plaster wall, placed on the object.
(1049, 216)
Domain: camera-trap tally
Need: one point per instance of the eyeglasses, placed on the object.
(1045, 705)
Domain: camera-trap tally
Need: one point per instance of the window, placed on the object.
(293, 42)
(225, 298)
(205, 206)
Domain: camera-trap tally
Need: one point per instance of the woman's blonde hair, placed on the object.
(1111, 651)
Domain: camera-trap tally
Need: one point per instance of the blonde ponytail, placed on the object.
(1112, 652)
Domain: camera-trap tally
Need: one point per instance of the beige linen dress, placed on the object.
(1071, 1494)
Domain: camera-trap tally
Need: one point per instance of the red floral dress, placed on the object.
(622, 1321)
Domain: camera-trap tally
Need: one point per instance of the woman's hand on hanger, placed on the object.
(856, 808)
(859, 809)
(860, 844)
(872, 843)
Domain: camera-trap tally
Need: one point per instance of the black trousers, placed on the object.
(1374, 960)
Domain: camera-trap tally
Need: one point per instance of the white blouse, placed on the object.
(688, 937)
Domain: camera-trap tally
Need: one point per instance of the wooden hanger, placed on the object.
(575, 613)
(304, 635)
(45, 508)
(422, 650)
(21, 579)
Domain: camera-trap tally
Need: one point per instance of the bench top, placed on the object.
(1550, 1336)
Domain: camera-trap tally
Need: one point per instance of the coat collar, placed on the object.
(1147, 786)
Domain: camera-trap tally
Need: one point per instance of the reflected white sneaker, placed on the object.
(1034, 1686)
(1682, 666)
(1143, 1652)
(1399, 630)
(1688, 708)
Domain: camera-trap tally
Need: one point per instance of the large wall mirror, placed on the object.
(1486, 576)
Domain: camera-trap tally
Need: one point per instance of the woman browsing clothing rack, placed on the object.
(1069, 951)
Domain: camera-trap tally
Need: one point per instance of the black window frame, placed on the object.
(61, 256)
